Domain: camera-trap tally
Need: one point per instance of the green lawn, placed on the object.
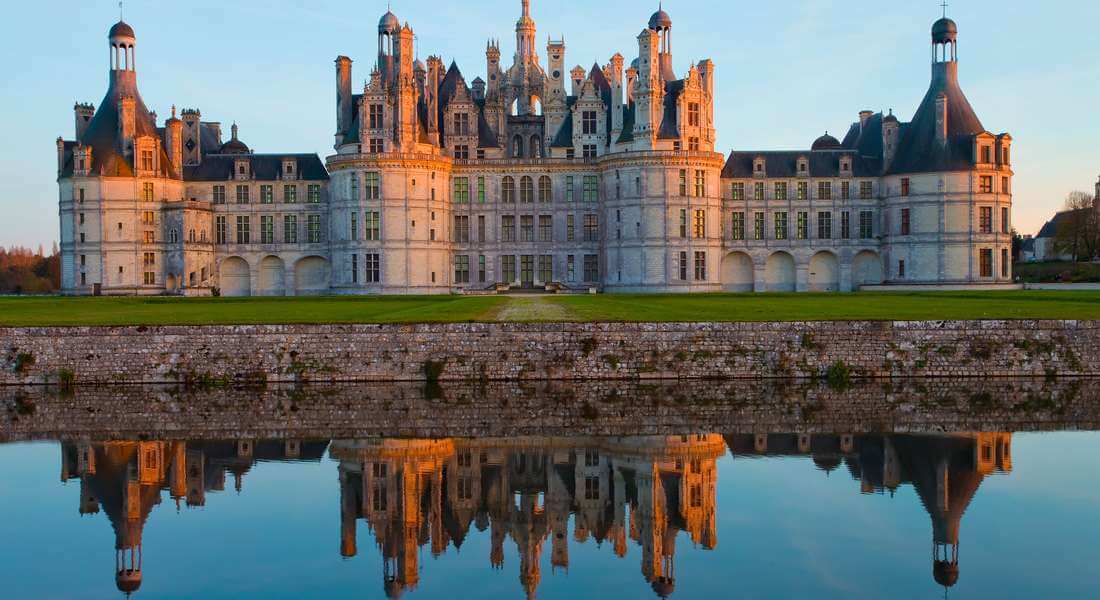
(434, 309)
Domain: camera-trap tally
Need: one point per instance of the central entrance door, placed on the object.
(527, 271)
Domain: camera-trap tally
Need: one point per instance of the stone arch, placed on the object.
(312, 275)
(536, 146)
(738, 273)
(272, 280)
(536, 105)
(235, 277)
(779, 273)
(517, 146)
(866, 269)
(824, 273)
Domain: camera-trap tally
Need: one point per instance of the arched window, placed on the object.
(526, 190)
(517, 147)
(536, 146)
(536, 106)
(545, 189)
(508, 190)
(514, 111)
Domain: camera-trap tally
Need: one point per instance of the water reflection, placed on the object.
(416, 494)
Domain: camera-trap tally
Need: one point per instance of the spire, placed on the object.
(526, 8)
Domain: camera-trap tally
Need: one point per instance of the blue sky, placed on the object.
(787, 72)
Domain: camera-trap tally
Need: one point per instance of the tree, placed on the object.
(1078, 231)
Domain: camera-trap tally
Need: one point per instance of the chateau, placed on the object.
(532, 178)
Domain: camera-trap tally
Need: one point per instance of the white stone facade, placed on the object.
(605, 178)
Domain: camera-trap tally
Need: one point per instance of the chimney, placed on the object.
(61, 156)
(192, 149)
(174, 137)
(890, 130)
(127, 123)
(479, 89)
(343, 97)
(631, 77)
(577, 75)
(616, 69)
(864, 116)
(83, 114)
(941, 119)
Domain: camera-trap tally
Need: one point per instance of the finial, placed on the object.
(944, 5)
(173, 111)
(119, 10)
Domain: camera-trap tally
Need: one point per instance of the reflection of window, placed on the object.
(591, 488)
(378, 500)
(465, 488)
(591, 458)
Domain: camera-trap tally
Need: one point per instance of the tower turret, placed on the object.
(525, 36)
(83, 113)
(173, 129)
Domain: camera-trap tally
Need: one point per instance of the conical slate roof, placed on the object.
(918, 151)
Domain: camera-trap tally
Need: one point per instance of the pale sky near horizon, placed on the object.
(787, 72)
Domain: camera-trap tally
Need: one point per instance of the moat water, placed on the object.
(156, 493)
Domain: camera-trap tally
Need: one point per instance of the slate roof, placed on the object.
(918, 151)
(823, 163)
(268, 167)
(670, 129)
(1050, 229)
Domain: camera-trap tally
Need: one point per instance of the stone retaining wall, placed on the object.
(218, 355)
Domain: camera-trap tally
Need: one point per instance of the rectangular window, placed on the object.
(987, 262)
(824, 190)
(149, 237)
(699, 224)
(219, 194)
(242, 194)
(987, 154)
(803, 190)
(508, 190)
(355, 268)
(507, 269)
(758, 226)
(508, 228)
(738, 226)
(290, 229)
(147, 160)
(845, 225)
(546, 228)
(693, 114)
(683, 223)
(781, 190)
(700, 266)
(462, 124)
(1004, 185)
(481, 190)
(591, 228)
(588, 122)
(372, 184)
(906, 223)
(149, 259)
(219, 230)
(781, 225)
(313, 229)
(803, 229)
(591, 267)
(986, 184)
(373, 226)
(758, 191)
(571, 268)
(354, 226)
(986, 219)
(683, 266)
(693, 144)
(738, 191)
(373, 264)
(588, 151)
(481, 228)
(845, 190)
(591, 190)
(700, 183)
(824, 225)
(290, 194)
(244, 234)
(267, 229)
(569, 188)
(526, 190)
(375, 114)
(901, 269)
(376, 146)
(683, 182)
(527, 228)
(148, 217)
(546, 268)
(313, 194)
(905, 186)
(546, 190)
(1006, 225)
(462, 229)
(866, 224)
(462, 269)
(866, 190)
(353, 187)
(570, 228)
(267, 194)
(481, 273)
(1004, 263)
(462, 190)
(147, 192)
(150, 278)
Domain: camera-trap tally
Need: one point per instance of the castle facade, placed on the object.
(533, 178)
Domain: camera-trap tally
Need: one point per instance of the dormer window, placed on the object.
(987, 155)
(758, 167)
(241, 169)
(289, 168)
(803, 166)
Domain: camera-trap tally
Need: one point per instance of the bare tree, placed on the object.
(1079, 232)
